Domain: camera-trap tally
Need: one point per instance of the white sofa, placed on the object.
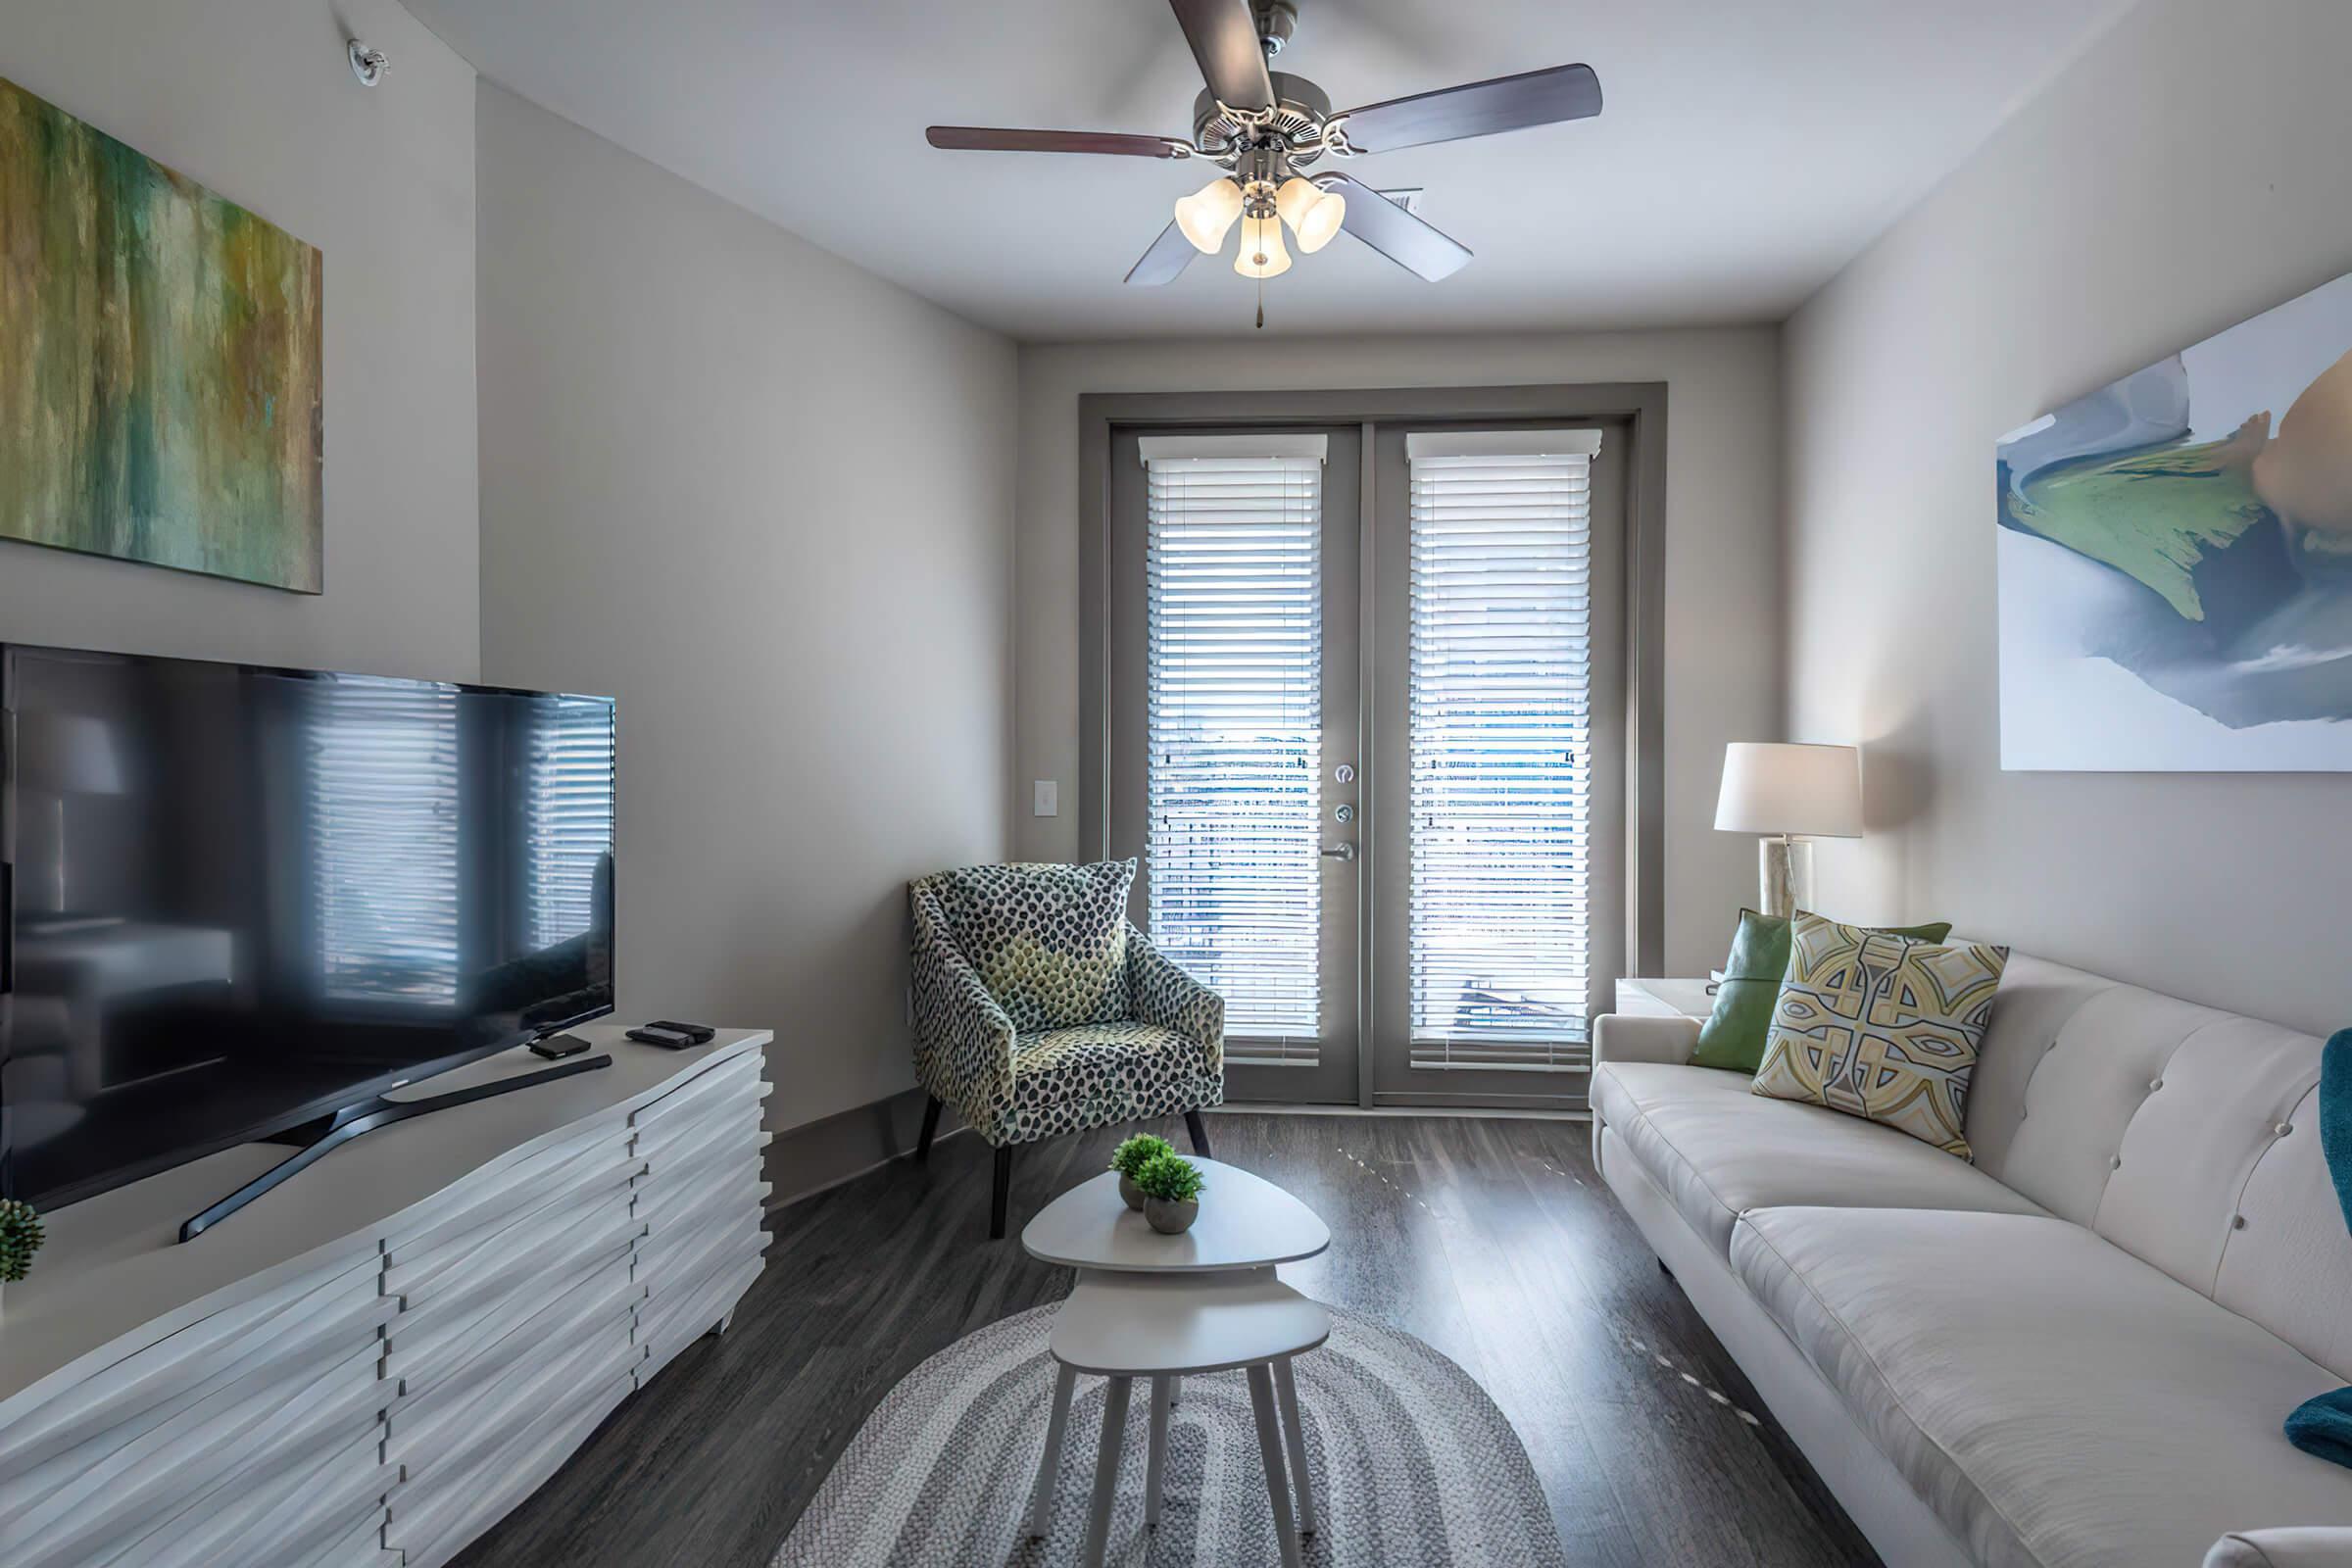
(2077, 1350)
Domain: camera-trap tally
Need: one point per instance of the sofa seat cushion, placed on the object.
(1718, 1151)
(1097, 1074)
(2058, 1402)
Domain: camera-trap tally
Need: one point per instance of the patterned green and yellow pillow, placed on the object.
(1880, 1026)
(1734, 1036)
(1049, 942)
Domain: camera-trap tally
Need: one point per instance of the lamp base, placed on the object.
(1784, 868)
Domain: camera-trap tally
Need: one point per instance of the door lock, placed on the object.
(1341, 853)
(1343, 812)
(1345, 773)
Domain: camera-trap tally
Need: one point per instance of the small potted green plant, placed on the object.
(1132, 1156)
(1171, 1188)
(20, 1239)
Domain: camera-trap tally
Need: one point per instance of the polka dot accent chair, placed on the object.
(1040, 1009)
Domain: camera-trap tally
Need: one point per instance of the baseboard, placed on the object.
(1270, 1107)
(835, 1148)
(824, 1154)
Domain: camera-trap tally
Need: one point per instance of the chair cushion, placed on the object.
(1718, 1151)
(1093, 1075)
(2057, 1401)
(1879, 1026)
(1049, 942)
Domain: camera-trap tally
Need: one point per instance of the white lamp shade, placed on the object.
(67, 754)
(1262, 254)
(1313, 213)
(1208, 214)
(1806, 791)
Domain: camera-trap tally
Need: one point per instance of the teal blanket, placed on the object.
(2323, 1426)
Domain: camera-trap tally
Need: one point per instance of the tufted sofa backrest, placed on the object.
(2186, 1136)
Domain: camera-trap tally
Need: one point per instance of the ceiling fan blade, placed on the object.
(1395, 233)
(1224, 41)
(995, 139)
(1477, 109)
(1168, 256)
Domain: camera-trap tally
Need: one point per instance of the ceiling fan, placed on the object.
(1268, 128)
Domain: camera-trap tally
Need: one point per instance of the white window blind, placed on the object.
(569, 815)
(1234, 570)
(1502, 748)
(383, 771)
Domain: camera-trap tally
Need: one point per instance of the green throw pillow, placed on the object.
(1733, 1037)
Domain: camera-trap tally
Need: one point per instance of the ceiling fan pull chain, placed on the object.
(1262, 304)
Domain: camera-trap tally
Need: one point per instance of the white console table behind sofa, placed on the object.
(374, 1362)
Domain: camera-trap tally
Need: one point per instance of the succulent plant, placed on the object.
(20, 1238)
(1138, 1151)
(1170, 1178)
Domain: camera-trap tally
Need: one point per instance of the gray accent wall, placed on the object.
(1723, 590)
(765, 499)
(2188, 170)
(255, 99)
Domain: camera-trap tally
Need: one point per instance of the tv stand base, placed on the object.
(313, 1140)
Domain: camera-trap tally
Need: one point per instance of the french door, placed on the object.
(1235, 571)
(1365, 738)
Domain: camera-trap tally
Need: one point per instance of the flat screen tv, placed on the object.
(240, 899)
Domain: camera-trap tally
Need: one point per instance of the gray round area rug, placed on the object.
(1411, 1463)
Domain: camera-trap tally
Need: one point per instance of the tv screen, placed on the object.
(238, 898)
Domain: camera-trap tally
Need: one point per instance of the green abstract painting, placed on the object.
(159, 362)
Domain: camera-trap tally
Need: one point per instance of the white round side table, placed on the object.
(1166, 1307)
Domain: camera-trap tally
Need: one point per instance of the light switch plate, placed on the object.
(1046, 800)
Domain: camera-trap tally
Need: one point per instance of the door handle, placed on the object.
(1339, 851)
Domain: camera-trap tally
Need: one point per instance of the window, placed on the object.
(1502, 748)
(1234, 573)
(569, 814)
(383, 771)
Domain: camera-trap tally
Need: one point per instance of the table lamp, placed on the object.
(60, 754)
(1790, 794)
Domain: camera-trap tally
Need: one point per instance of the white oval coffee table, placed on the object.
(1245, 1222)
(1168, 1306)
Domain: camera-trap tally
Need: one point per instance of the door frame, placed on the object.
(1639, 405)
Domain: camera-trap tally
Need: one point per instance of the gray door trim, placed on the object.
(1641, 404)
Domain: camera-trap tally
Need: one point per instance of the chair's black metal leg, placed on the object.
(1004, 1190)
(922, 1146)
(1191, 1124)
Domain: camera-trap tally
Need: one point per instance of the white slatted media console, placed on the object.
(373, 1363)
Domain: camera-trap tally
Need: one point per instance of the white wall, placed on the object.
(766, 500)
(254, 98)
(2190, 170)
(1722, 550)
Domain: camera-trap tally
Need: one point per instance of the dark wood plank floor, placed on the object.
(1492, 1239)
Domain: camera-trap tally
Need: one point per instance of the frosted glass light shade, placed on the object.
(1262, 254)
(1803, 791)
(1313, 213)
(1208, 214)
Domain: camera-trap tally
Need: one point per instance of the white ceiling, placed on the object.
(1747, 151)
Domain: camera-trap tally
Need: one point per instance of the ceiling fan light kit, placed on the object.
(1313, 213)
(1268, 128)
(1207, 216)
(1262, 254)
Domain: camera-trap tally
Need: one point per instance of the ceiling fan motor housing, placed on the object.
(1294, 124)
